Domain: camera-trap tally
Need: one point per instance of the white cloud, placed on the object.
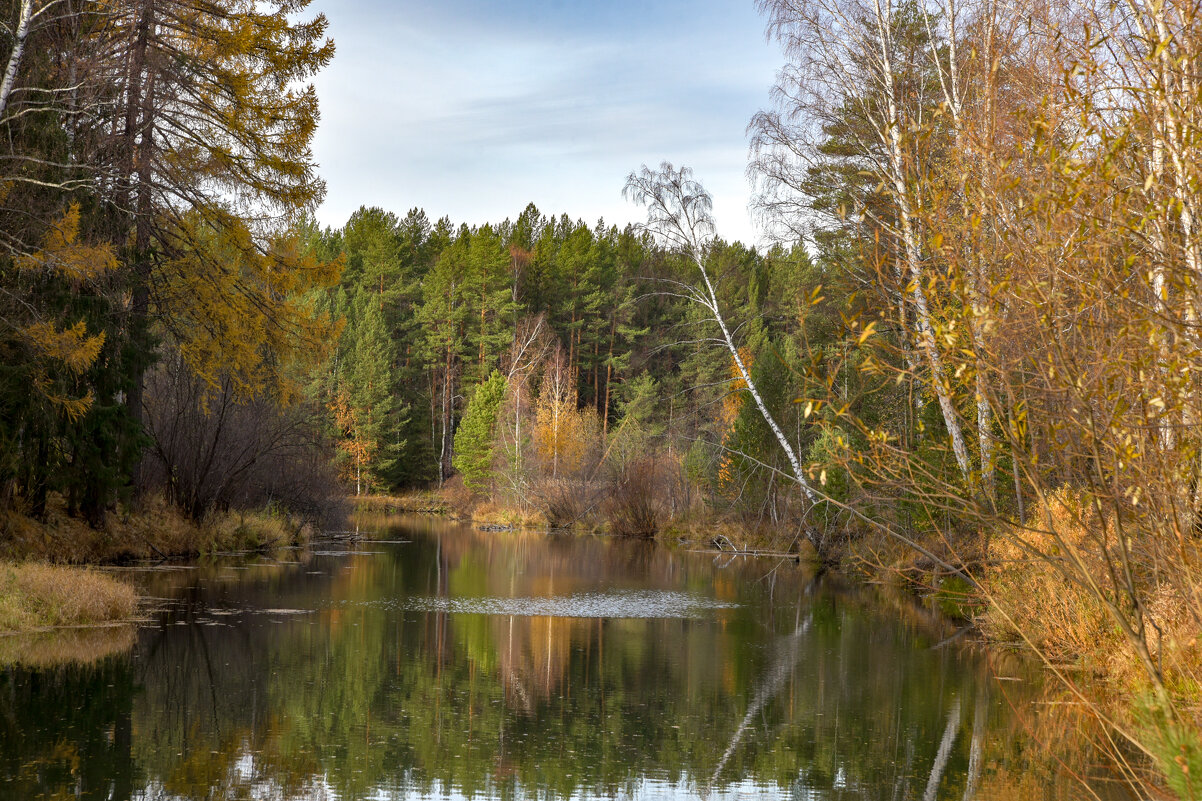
(476, 120)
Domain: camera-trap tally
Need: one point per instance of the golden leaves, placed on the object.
(62, 251)
(72, 347)
(244, 309)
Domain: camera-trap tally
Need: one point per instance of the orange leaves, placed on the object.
(356, 447)
(732, 405)
(733, 402)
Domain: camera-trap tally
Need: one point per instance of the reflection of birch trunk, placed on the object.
(786, 659)
(945, 751)
(979, 716)
(901, 785)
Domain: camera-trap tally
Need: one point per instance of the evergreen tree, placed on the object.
(474, 440)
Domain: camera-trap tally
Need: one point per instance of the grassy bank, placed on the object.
(1127, 645)
(420, 502)
(40, 588)
(37, 595)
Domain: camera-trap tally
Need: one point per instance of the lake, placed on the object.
(446, 662)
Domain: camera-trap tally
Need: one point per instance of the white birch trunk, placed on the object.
(21, 33)
(790, 453)
(926, 333)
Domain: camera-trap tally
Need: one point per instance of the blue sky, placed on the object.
(472, 109)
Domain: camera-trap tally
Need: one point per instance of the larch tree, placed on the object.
(211, 140)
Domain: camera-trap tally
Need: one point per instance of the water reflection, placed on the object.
(461, 664)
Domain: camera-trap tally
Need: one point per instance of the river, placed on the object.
(445, 662)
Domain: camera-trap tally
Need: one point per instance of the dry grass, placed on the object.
(1034, 597)
(36, 595)
(496, 514)
(250, 531)
(423, 502)
(1033, 588)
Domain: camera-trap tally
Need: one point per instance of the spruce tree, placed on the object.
(474, 440)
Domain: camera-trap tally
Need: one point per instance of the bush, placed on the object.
(636, 506)
(214, 450)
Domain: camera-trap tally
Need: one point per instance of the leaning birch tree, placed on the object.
(679, 214)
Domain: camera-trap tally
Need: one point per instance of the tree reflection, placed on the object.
(349, 689)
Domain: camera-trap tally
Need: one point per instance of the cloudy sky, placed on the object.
(473, 108)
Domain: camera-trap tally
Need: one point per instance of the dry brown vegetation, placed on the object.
(157, 530)
(35, 595)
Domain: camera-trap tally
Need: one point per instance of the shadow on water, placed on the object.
(451, 663)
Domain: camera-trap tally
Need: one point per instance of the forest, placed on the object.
(970, 364)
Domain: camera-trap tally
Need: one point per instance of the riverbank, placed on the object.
(152, 530)
(43, 587)
(39, 596)
(1058, 604)
(698, 528)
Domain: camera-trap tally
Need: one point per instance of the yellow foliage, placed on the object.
(245, 309)
(562, 433)
(63, 252)
(71, 346)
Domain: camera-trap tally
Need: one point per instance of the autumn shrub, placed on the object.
(457, 496)
(1036, 593)
(214, 449)
(636, 506)
(565, 502)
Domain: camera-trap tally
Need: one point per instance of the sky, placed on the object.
(472, 109)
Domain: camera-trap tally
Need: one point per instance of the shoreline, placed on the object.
(51, 569)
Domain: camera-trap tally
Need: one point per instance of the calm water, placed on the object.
(451, 663)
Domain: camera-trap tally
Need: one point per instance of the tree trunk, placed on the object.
(609, 368)
(14, 59)
(926, 333)
(139, 119)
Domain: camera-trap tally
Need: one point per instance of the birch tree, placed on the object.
(850, 55)
(679, 213)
